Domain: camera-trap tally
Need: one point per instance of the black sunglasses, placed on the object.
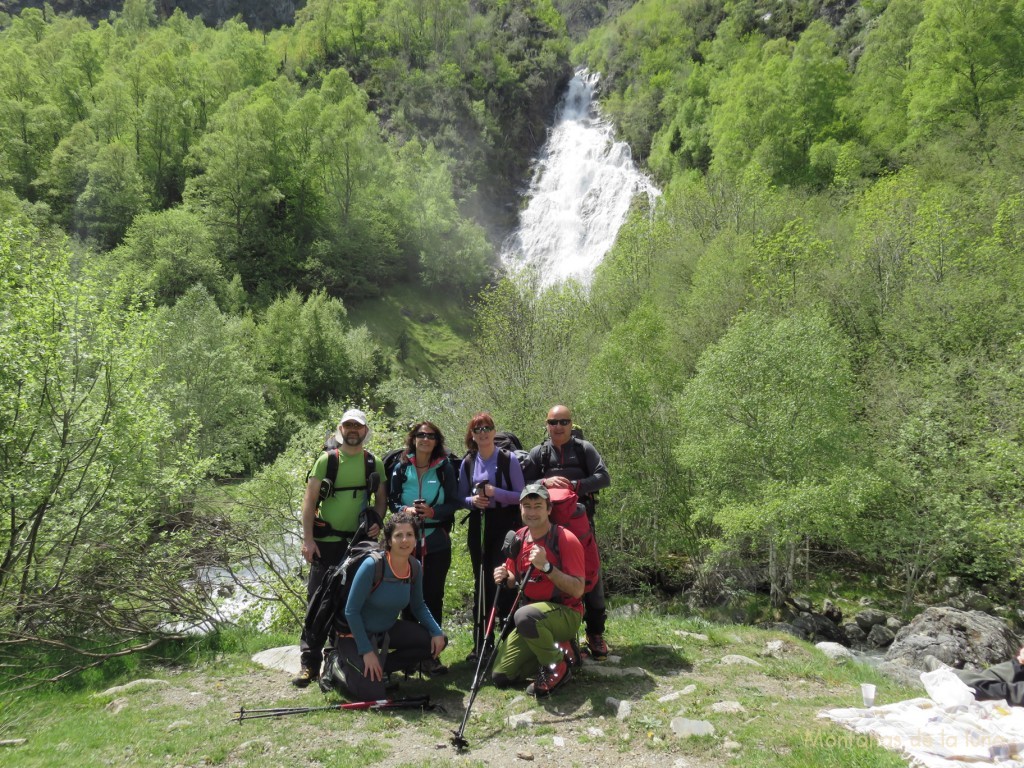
(478, 430)
(426, 435)
(560, 422)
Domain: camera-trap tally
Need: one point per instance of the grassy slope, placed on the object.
(437, 326)
(187, 719)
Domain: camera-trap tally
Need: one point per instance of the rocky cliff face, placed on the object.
(258, 14)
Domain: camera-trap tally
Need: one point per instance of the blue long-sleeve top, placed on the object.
(437, 487)
(372, 611)
(476, 469)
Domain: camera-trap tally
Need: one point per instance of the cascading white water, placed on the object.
(581, 190)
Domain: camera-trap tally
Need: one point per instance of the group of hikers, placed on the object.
(378, 607)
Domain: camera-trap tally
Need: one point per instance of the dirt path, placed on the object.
(576, 726)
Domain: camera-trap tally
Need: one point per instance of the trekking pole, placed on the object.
(458, 740)
(416, 702)
(481, 601)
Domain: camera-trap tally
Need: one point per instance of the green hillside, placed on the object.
(802, 364)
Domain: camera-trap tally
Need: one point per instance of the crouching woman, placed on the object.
(378, 642)
(551, 561)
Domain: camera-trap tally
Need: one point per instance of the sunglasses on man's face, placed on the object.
(484, 428)
(559, 422)
(351, 425)
(425, 436)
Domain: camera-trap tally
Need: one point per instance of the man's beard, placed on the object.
(353, 438)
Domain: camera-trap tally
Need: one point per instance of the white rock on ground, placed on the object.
(737, 659)
(727, 707)
(143, 682)
(615, 671)
(286, 659)
(684, 727)
(834, 650)
(692, 635)
(623, 708)
(676, 694)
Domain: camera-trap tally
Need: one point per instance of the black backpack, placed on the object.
(508, 441)
(512, 445)
(326, 611)
(547, 460)
(390, 460)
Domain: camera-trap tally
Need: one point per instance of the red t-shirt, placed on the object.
(565, 554)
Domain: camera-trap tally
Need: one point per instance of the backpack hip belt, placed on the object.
(322, 529)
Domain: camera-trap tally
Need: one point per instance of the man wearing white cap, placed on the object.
(335, 506)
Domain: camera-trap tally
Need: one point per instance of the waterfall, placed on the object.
(581, 190)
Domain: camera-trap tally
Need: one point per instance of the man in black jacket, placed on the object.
(566, 461)
(1000, 681)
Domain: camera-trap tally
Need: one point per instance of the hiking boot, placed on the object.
(570, 652)
(597, 648)
(476, 653)
(501, 680)
(432, 667)
(549, 679)
(305, 677)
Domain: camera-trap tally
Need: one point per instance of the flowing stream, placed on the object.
(582, 187)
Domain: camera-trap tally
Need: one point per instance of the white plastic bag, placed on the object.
(946, 689)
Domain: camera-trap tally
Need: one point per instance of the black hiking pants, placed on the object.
(331, 554)
(407, 645)
(1000, 681)
(594, 613)
(485, 550)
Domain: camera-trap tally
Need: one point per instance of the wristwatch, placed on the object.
(547, 567)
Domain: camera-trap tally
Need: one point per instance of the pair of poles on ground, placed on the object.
(510, 549)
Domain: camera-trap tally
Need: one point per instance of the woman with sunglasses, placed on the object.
(489, 484)
(423, 484)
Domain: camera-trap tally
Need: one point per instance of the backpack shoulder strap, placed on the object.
(332, 465)
(378, 569)
(369, 467)
(554, 540)
(582, 456)
(504, 468)
(545, 457)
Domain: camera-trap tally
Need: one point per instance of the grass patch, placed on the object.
(424, 331)
(186, 719)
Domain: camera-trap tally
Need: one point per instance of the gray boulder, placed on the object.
(778, 626)
(818, 628)
(869, 617)
(962, 639)
(976, 601)
(855, 634)
(803, 604)
(881, 636)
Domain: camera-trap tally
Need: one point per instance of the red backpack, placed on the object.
(567, 512)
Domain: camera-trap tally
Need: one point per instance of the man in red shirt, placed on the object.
(546, 625)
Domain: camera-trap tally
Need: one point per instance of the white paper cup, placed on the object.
(867, 693)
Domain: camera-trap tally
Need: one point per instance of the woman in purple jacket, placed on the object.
(489, 484)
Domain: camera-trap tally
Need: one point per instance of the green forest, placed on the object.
(803, 362)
